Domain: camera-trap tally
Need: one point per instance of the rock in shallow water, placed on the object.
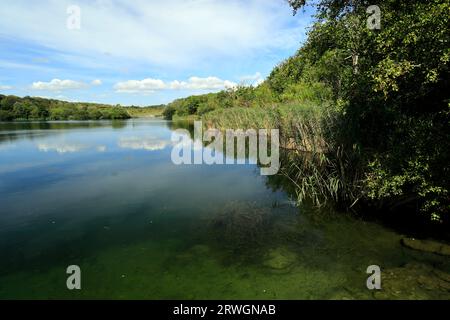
(427, 246)
(280, 259)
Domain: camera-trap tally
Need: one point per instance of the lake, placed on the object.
(106, 196)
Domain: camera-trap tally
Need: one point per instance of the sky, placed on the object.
(142, 52)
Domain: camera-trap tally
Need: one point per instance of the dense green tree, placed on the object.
(394, 83)
(6, 115)
(30, 108)
(8, 102)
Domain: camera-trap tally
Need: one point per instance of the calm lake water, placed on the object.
(105, 196)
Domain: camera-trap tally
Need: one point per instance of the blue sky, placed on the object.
(142, 52)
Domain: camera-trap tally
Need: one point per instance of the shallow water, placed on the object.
(106, 196)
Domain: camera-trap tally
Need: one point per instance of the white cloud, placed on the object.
(170, 32)
(58, 85)
(194, 83)
(146, 85)
(2, 87)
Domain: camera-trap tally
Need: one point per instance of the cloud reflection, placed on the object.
(143, 143)
(60, 147)
(64, 147)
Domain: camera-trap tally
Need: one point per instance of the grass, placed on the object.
(190, 117)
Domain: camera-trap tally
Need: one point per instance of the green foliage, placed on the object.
(242, 118)
(6, 115)
(28, 108)
(145, 112)
(287, 73)
(187, 106)
(392, 89)
(8, 102)
(169, 112)
(315, 93)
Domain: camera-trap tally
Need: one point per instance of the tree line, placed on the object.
(32, 108)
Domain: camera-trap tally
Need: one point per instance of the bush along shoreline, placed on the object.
(364, 111)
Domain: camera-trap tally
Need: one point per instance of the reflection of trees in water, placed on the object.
(240, 151)
(12, 131)
(182, 124)
(281, 181)
(275, 182)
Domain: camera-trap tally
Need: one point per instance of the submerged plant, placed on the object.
(241, 225)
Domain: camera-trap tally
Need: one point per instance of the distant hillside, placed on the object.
(146, 112)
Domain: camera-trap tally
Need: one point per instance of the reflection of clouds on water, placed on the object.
(64, 147)
(143, 143)
(4, 147)
(60, 147)
(101, 148)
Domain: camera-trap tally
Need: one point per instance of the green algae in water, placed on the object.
(141, 228)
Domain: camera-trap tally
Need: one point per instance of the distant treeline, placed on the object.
(31, 108)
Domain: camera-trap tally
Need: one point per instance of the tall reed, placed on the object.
(319, 157)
